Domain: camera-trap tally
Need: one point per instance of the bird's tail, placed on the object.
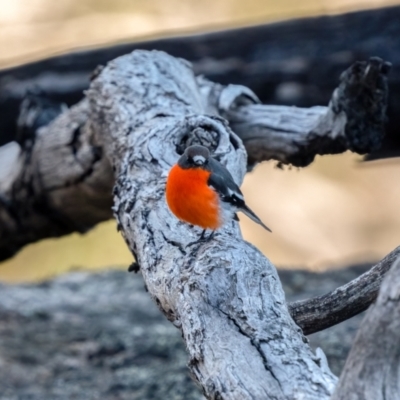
(246, 210)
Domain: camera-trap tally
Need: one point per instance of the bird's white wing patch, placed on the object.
(236, 194)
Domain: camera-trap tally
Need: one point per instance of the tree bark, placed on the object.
(373, 367)
(224, 295)
(354, 119)
(59, 184)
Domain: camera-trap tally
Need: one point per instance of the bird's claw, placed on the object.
(202, 239)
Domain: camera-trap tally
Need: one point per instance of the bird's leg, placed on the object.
(202, 238)
(211, 235)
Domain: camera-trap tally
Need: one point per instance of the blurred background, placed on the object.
(335, 212)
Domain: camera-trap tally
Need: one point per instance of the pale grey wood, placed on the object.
(59, 185)
(372, 370)
(321, 312)
(354, 119)
(224, 295)
(10, 165)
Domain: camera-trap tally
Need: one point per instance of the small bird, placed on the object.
(202, 192)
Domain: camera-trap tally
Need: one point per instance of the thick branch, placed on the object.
(354, 119)
(322, 312)
(223, 294)
(372, 369)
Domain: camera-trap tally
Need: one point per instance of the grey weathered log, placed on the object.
(372, 368)
(321, 312)
(354, 119)
(61, 182)
(224, 295)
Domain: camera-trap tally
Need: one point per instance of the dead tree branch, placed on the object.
(354, 119)
(322, 312)
(373, 365)
(58, 184)
(224, 295)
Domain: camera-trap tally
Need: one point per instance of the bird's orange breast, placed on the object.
(191, 199)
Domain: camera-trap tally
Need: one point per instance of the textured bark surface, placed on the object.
(60, 182)
(354, 119)
(321, 312)
(223, 294)
(373, 367)
(301, 69)
(57, 184)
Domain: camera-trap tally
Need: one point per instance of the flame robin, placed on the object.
(202, 192)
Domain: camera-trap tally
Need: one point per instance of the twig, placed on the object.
(321, 312)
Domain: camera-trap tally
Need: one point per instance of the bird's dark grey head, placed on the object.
(194, 157)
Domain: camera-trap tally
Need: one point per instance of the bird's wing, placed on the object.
(222, 182)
